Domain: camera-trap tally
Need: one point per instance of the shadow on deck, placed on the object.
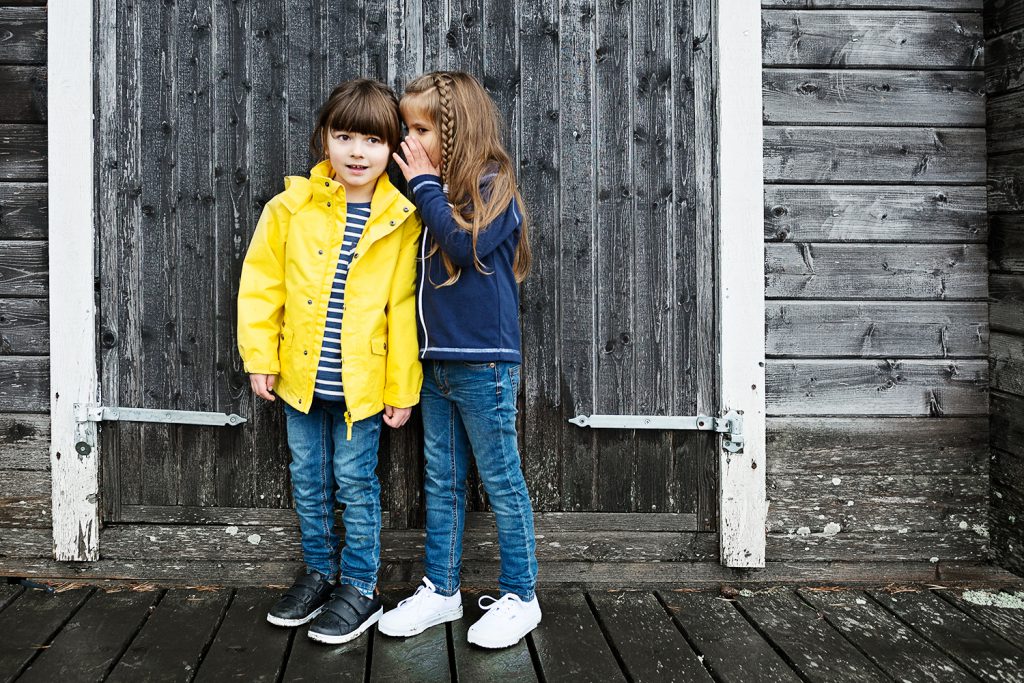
(777, 634)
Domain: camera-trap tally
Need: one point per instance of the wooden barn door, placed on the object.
(206, 104)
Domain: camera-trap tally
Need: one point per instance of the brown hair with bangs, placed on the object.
(362, 106)
(468, 128)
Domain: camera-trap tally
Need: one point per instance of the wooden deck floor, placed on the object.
(782, 634)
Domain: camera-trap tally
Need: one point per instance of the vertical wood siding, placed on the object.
(875, 232)
(1004, 34)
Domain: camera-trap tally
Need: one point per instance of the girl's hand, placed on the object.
(396, 417)
(262, 385)
(416, 161)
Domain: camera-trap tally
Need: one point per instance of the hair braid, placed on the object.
(442, 83)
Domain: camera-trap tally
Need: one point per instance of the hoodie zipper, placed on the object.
(419, 297)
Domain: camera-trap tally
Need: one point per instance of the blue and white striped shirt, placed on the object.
(328, 373)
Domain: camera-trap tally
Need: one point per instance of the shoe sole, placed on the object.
(444, 617)
(291, 623)
(500, 644)
(338, 640)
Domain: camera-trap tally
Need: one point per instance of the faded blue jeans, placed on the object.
(471, 407)
(326, 468)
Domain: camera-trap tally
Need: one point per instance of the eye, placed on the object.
(341, 136)
(373, 139)
(421, 130)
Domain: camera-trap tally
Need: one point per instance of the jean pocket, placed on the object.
(513, 378)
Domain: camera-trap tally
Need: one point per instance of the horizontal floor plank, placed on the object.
(876, 213)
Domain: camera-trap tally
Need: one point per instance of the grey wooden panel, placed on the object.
(1002, 16)
(1004, 620)
(1006, 303)
(24, 31)
(25, 89)
(1006, 243)
(822, 154)
(871, 38)
(862, 503)
(877, 329)
(24, 384)
(246, 642)
(23, 211)
(881, 97)
(878, 445)
(875, 271)
(23, 148)
(884, 387)
(879, 546)
(1007, 363)
(1007, 427)
(24, 327)
(1005, 118)
(1004, 62)
(25, 499)
(24, 270)
(948, 5)
(24, 442)
(1006, 182)
(876, 213)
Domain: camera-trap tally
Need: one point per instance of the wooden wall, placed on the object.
(1004, 75)
(877, 326)
(24, 325)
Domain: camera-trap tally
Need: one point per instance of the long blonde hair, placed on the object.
(467, 123)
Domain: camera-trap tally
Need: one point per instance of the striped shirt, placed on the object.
(328, 372)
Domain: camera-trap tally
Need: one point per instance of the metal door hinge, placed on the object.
(730, 425)
(85, 413)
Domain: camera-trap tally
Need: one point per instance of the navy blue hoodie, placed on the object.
(477, 318)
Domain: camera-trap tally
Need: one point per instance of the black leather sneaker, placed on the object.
(345, 616)
(303, 601)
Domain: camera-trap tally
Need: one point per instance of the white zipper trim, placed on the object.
(423, 278)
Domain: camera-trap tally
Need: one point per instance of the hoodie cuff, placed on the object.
(425, 180)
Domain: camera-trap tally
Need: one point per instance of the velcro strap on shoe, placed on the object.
(304, 588)
(345, 606)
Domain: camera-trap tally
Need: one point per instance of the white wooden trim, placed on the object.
(73, 373)
(742, 505)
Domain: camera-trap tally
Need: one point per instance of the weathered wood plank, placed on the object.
(422, 658)
(861, 96)
(25, 498)
(23, 31)
(648, 643)
(1006, 371)
(876, 329)
(1004, 62)
(23, 151)
(872, 38)
(864, 503)
(23, 211)
(90, 645)
(1005, 117)
(246, 642)
(24, 384)
(1007, 429)
(879, 546)
(1002, 16)
(876, 213)
(1007, 515)
(25, 89)
(309, 661)
(875, 271)
(816, 650)
(947, 5)
(24, 327)
(730, 647)
(569, 643)
(8, 594)
(1006, 303)
(893, 647)
(579, 574)
(30, 623)
(1006, 242)
(24, 269)
(24, 442)
(886, 387)
(477, 664)
(1006, 182)
(878, 445)
(985, 607)
(823, 154)
(973, 646)
(173, 639)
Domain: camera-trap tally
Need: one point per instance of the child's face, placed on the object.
(422, 128)
(358, 159)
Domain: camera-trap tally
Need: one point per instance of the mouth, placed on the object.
(356, 168)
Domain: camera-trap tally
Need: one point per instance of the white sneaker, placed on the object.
(425, 608)
(506, 621)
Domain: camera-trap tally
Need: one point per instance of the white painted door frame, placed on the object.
(73, 359)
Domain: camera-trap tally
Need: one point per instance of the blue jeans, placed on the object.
(473, 406)
(326, 467)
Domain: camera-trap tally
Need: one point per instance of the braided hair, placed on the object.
(442, 82)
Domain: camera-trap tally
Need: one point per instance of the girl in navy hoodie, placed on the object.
(473, 255)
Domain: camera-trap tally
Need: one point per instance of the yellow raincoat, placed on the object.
(286, 283)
